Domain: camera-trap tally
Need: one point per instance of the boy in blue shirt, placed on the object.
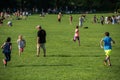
(106, 44)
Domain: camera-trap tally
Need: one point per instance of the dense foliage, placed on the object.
(100, 5)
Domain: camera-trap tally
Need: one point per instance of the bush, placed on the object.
(118, 10)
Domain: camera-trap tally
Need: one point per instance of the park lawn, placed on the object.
(65, 59)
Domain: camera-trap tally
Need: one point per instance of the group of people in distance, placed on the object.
(107, 20)
(41, 40)
(81, 19)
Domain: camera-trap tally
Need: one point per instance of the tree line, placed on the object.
(99, 5)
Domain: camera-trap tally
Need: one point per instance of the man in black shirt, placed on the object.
(41, 40)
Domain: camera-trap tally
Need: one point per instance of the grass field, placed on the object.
(65, 59)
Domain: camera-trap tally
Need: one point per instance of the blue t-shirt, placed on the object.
(107, 43)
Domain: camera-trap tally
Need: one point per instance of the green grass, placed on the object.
(65, 59)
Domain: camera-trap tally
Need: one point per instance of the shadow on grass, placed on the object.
(56, 65)
(74, 55)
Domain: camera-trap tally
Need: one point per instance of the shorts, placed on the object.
(21, 49)
(76, 37)
(108, 52)
(42, 45)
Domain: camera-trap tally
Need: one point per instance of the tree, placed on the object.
(101, 5)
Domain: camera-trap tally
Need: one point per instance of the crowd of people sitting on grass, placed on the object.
(18, 15)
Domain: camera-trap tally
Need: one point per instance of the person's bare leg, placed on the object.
(105, 61)
(19, 53)
(44, 50)
(38, 50)
(109, 63)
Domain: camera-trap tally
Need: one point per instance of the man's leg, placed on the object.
(44, 49)
(38, 50)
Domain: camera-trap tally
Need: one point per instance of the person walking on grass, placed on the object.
(7, 48)
(41, 40)
(106, 44)
(70, 19)
(21, 44)
(76, 35)
(81, 20)
(59, 17)
(102, 20)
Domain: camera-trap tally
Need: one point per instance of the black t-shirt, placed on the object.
(42, 36)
